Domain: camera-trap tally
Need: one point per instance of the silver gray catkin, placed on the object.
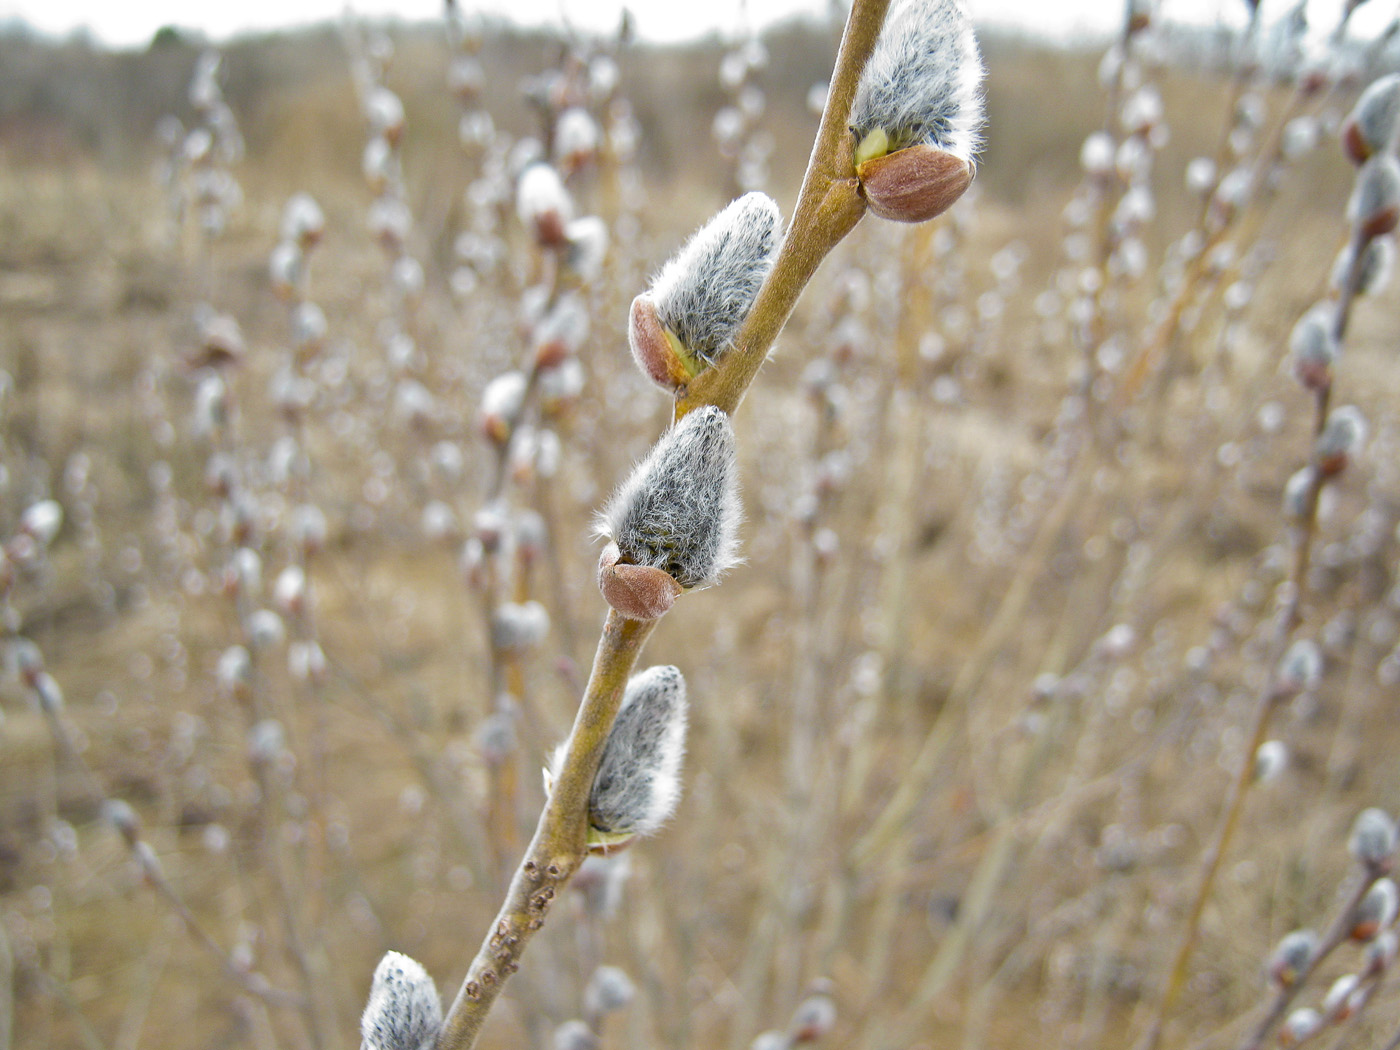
(1373, 839)
(922, 84)
(638, 782)
(703, 294)
(679, 510)
(404, 1011)
(1371, 125)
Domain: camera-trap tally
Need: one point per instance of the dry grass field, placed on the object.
(963, 722)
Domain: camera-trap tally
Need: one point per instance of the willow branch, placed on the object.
(561, 837)
(828, 207)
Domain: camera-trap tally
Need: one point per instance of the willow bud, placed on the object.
(1373, 838)
(1313, 346)
(609, 989)
(574, 1035)
(303, 222)
(918, 111)
(384, 111)
(1375, 911)
(404, 1011)
(699, 300)
(42, 521)
(1292, 957)
(1371, 125)
(1374, 208)
(1366, 267)
(638, 784)
(1380, 953)
(1338, 1002)
(639, 777)
(1300, 669)
(1341, 437)
(674, 522)
(1301, 1025)
(543, 204)
(813, 1019)
(501, 403)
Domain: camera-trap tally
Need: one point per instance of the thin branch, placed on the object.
(829, 205)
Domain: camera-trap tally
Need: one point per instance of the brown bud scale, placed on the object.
(637, 591)
(914, 184)
(1354, 144)
(652, 349)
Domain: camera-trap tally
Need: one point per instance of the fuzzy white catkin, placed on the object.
(1377, 191)
(1301, 666)
(541, 192)
(504, 395)
(608, 989)
(384, 112)
(639, 777)
(1377, 112)
(574, 1035)
(923, 83)
(1301, 1025)
(235, 670)
(1270, 760)
(679, 510)
(1295, 493)
(814, 1018)
(1344, 433)
(1373, 837)
(42, 520)
(588, 245)
(1292, 956)
(704, 293)
(302, 219)
(575, 133)
(1334, 1002)
(1378, 907)
(1373, 271)
(1379, 953)
(1313, 339)
(404, 1011)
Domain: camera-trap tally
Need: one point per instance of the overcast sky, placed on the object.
(130, 23)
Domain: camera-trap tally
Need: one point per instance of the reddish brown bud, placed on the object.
(1374, 208)
(549, 230)
(1313, 80)
(653, 349)
(1354, 143)
(221, 344)
(550, 354)
(914, 184)
(637, 591)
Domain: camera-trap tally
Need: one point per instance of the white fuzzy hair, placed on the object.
(404, 1011)
(923, 83)
(639, 776)
(679, 509)
(540, 191)
(705, 291)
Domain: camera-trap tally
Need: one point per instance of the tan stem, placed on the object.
(1288, 618)
(561, 838)
(7, 987)
(1339, 931)
(829, 206)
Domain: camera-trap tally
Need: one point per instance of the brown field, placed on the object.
(881, 789)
